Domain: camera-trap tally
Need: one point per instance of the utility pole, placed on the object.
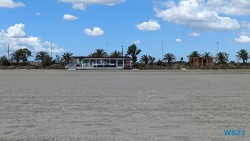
(217, 47)
(162, 50)
(106, 47)
(51, 48)
(122, 51)
(8, 51)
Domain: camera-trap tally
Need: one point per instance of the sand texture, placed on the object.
(38, 105)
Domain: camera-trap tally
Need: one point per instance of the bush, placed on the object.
(4, 61)
(56, 66)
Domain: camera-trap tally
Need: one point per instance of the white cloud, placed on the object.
(194, 34)
(95, 32)
(243, 39)
(137, 42)
(178, 40)
(38, 13)
(196, 15)
(17, 38)
(230, 7)
(82, 4)
(69, 17)
(246, 25)
(11, 4)
(16, 31)
(149, 26)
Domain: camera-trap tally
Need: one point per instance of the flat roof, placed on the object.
(87, 57)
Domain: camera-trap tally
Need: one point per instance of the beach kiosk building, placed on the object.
(198, 62)
(86, 62)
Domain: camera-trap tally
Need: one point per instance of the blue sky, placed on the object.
(81, 26)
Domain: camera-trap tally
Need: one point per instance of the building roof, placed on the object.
(202, 57)
(88, 57)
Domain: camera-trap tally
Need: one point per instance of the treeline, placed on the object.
(169, 60)
(221, 60)
(19, 58)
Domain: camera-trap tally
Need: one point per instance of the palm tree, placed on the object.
(40, 55)
(116, 54)
(207, 54)
(44, 57)
(222, 57)
(16, 56)
(145, 59)
(243, 55)
(151, 60)
(194, 54)
(4, 61)
(169, 57)
(133, 52)
(99, 53)
(21, 55)
(66, 57)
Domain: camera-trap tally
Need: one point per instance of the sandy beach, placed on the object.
(38, 105)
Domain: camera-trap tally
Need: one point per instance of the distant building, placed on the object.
(198, 62)
(85, 62)
(35, 63)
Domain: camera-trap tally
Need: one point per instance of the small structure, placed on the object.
(198, 62)
(85, 62)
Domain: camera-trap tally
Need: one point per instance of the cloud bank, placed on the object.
(10, 4)
(82, 4)
(16, 37)
(198, 15)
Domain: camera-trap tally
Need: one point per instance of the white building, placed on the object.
(84, 62)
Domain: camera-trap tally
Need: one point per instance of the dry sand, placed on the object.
(39, 105)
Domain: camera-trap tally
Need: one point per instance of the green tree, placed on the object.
(66, 57)
(181, 62)
(169, 57)
(133, 52)
(194, 54)
(116, 54)
(144, 59)
(243, 55)
(207, 54)
(4, 61)
(181, 59)
(222, 57)
(99, 53)
(21, 55)
(58, 59)
(44, 57)
(16, 56)
(151, 60)
(159, 62)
